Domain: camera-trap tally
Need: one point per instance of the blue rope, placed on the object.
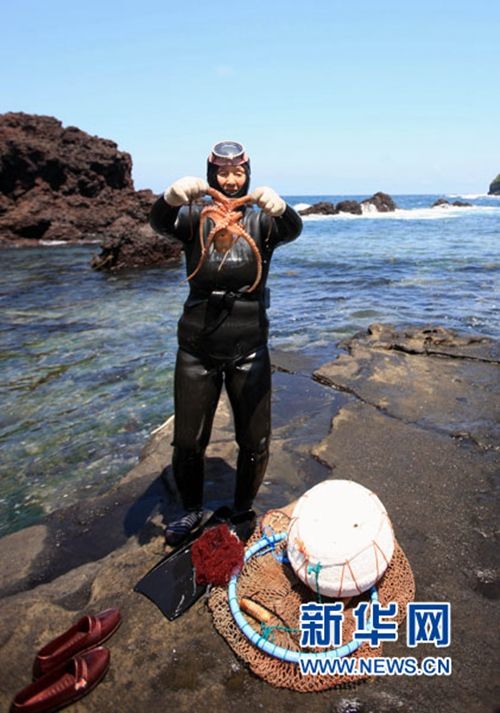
(267, 630)
(268, 535)
(315, 570)
(269, 541)
(268, 646)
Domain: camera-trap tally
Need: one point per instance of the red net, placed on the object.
(217, 554)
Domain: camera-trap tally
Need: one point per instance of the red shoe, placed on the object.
(90, 631)
(64, 685)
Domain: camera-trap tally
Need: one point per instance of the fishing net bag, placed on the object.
(273, 585)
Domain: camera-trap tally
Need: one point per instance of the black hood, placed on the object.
(213, 182)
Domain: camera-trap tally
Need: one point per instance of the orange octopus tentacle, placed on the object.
(204, 254)
(222, 212)
(241, 232)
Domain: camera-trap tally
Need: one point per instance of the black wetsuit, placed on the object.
(223, 337)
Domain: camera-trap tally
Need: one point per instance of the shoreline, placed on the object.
(399, 213)
(40, 243)
(409, 414)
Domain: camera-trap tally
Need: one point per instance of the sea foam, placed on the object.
(472, 196)
(437, 213)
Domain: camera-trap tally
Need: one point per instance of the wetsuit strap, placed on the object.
(219, 306)
(228, 297)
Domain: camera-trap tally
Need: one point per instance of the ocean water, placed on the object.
(87, 358)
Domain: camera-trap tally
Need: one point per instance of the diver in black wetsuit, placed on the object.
(223, 331)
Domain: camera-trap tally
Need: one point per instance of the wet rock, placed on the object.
(321, 208)
(444, 373)
(61, 184)
(381, 201)
(139, 248)
(349, 207)
(442, 203)
(429, 340)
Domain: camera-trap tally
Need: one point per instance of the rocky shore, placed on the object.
(409, 414)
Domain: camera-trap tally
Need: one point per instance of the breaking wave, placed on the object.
(438, 213)
(473, 196)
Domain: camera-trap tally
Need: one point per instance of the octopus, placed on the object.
(227, 230)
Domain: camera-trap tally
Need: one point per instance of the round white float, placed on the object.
(340, 539)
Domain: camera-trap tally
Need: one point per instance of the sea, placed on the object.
(87, 357)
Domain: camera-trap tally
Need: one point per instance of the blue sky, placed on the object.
(341, 97)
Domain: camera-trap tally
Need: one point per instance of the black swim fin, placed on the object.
(171, 584)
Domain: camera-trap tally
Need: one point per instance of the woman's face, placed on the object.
(231, 178)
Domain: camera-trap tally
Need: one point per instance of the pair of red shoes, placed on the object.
(70, 666)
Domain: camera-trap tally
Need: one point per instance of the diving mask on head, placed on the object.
(228, 153)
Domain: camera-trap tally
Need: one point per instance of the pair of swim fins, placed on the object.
(171, 584)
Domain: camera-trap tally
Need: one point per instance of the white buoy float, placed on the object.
(340, 539)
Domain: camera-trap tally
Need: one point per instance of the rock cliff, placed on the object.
(494, 189)
(61, 184)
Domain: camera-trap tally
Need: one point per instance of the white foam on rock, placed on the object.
(437, 213)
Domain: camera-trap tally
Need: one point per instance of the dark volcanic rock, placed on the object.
(349, 207)
(61, 183)
(321, 208)
(135, 248)
(443, 202)
(494, 189)
(382, 202)
(439, 202)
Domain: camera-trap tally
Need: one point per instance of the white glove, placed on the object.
(185, 190)
(269, 201)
